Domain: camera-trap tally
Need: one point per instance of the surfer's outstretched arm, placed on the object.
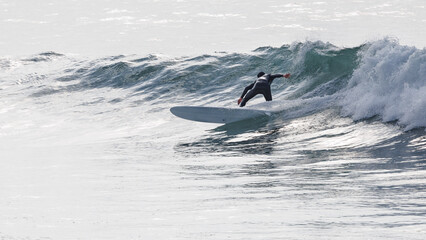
(273, 76)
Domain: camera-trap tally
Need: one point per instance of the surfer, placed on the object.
(261, 86)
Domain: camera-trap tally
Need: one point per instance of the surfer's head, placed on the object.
(260, 74)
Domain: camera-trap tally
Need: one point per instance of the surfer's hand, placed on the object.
(239, 101)
(287, 75)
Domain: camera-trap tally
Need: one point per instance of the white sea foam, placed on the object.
(390, 83)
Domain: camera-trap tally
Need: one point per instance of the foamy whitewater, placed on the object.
(90, 150)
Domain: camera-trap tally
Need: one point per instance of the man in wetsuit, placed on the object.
(261, 86)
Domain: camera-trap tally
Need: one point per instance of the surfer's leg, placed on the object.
(267, 94)
(250, 94)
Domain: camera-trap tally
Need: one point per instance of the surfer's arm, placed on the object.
(287, 75)
(272, 77)
(247, 89)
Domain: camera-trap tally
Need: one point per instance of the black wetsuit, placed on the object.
(261, 86)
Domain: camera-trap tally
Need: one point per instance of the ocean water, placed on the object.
(99, 28)
(90, 150)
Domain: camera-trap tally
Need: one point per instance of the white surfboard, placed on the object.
(216, 114)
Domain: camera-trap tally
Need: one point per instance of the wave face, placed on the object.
(381, 79)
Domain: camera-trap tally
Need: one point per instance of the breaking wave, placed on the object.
(382, 80)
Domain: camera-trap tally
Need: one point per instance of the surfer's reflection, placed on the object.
(257, 136)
